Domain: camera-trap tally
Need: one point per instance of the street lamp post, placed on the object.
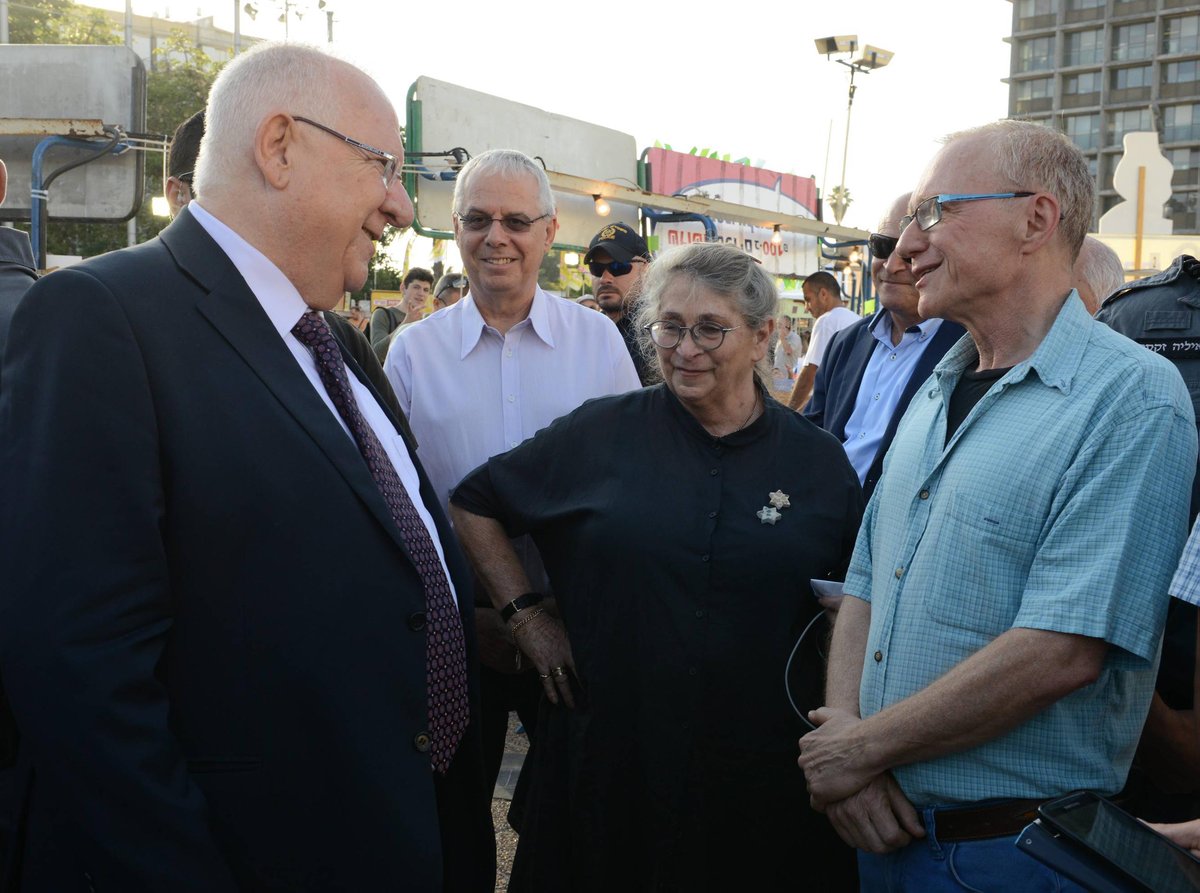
(871, 58)
(290, 8)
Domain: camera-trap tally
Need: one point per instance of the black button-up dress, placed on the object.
(678, 769)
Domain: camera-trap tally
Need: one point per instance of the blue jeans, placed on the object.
(977, 866)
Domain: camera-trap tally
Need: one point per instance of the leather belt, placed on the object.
(1000, 819)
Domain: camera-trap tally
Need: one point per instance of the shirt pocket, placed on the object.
(985, 552)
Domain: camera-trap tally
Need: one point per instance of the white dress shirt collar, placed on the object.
(279, 298)
(473, 323)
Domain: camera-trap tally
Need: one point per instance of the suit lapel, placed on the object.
(232, 309)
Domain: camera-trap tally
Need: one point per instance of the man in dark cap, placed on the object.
(181, 162)
(616, 258)
(449, 290)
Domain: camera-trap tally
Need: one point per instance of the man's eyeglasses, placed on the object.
(391, 163)
(512, 223)
(616, 267)
(882, 246)
(705, 335)
(929, 212)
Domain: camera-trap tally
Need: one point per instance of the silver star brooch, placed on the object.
(768, 514)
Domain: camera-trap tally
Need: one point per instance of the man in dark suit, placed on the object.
(874, 367)
(208, 702)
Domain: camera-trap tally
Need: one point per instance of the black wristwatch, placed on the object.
(520, 603)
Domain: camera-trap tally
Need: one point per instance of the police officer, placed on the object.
(1162, 313)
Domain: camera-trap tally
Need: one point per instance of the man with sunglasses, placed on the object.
(478, 378)
(449, 290)
(1006, 598)
(617, 258)
(874, 367)
(210, 699)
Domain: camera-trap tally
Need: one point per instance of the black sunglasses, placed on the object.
(616, 267)
(882, 246)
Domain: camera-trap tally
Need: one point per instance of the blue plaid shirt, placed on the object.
(1059, 504)
(1186, 584)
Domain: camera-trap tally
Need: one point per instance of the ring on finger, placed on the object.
(543, 675)
(558, 671)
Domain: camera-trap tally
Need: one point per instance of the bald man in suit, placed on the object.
(208, 702)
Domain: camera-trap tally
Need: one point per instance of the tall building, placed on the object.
(1098, 69)
(149, 31)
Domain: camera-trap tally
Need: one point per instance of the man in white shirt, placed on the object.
(823, 297)
(479, 377)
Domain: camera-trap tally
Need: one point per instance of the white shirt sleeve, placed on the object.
(818, 342)
(398, 369)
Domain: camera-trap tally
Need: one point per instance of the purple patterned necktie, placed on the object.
(446, 655)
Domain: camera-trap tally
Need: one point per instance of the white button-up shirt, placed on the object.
(471, 392)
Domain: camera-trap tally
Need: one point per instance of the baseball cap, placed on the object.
(621, 242)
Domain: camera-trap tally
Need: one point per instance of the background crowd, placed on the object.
(600, 518)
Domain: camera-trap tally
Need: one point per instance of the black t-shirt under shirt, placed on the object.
(970, 390)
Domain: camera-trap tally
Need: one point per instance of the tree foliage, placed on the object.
(59, 21)
(177, 85)
(178, 82)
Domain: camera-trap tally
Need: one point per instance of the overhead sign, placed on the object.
(443, 116)
(71, 83)
(676, 173)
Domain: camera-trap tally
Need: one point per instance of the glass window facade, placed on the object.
(1181, 123)
(1181, 34)
(1083, 130)
(1134, 41)
(1029, 8)
(1128, 121)
(1038, 88)
(1087, 82)
(1037, 54)
(1181, 209)
(1083, 47)
(1126, 78)
(1181, 72)
(1186, 163)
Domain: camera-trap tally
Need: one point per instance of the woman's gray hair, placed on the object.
(720, 268)
(296, 78)
(505, 163)
(1034, 156)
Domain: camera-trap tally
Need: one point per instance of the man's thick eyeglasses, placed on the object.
(705, 335)
(929, 212)
(390, 162)
(512, 223)
(882, 246)
(616, 267)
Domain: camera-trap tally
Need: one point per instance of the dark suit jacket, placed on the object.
(213, 634)
(836, 386)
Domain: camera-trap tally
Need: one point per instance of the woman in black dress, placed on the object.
(680, 526)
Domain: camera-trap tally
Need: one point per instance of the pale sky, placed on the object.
(744, 79)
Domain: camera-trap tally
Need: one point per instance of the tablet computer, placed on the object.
(1122, 842)
(1073, 861)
